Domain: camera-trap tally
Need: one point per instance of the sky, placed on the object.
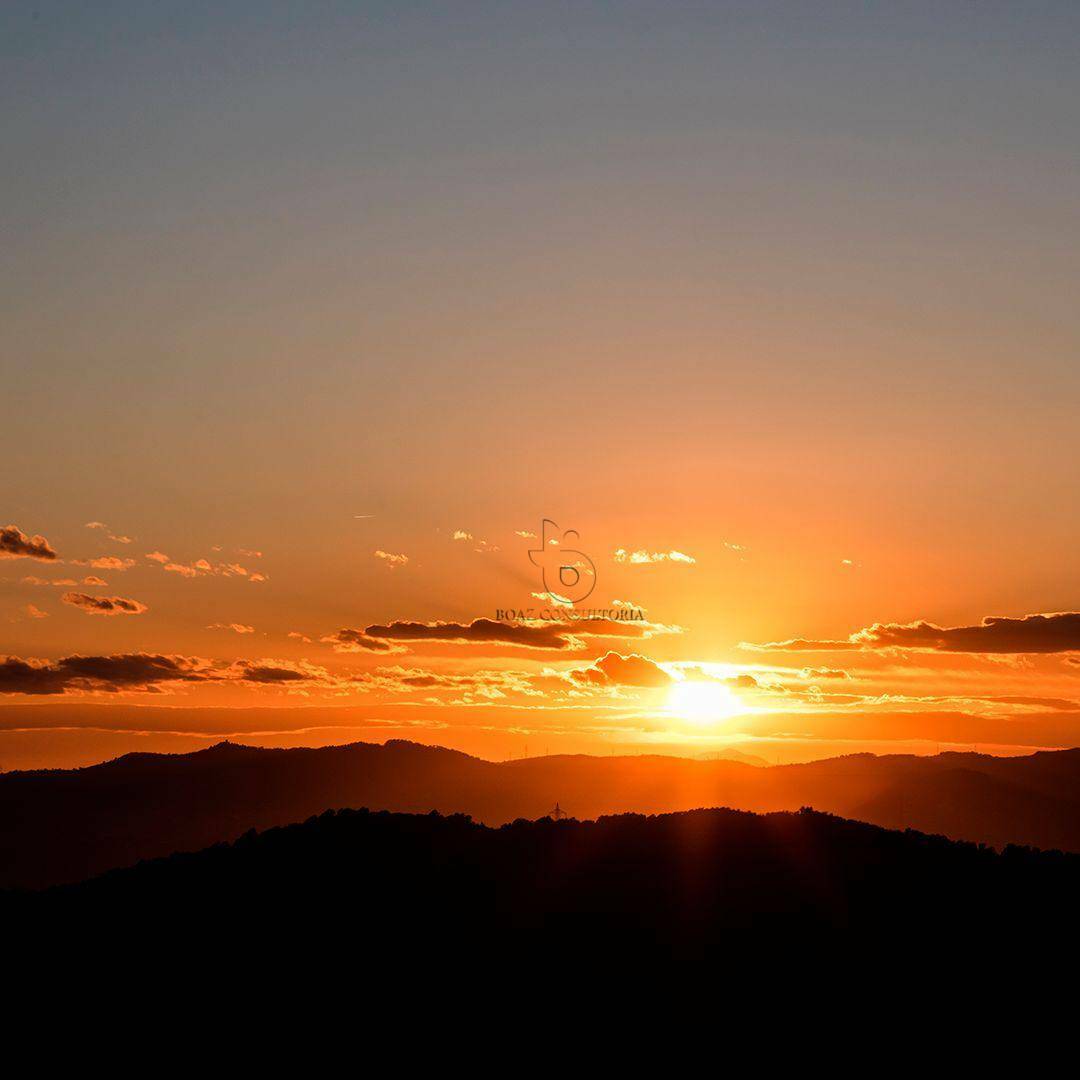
(311, 312)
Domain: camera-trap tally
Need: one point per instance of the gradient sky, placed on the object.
(786, 288)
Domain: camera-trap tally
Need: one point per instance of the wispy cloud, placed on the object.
(477, 543)
(390, 559)
(111, 535)
(205, 568)
(642, 558)
(105, 562)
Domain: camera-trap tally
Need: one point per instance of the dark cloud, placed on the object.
(267, 673)
(357, 641)
(132, 671)
(555, 635)
(529, 636)
(614, 669)
(1053, 633)
(148, 672)
(15, 544)
(1050, 633)
(104, 605)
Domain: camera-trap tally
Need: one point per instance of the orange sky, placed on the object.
(455, 641)
(790, 297)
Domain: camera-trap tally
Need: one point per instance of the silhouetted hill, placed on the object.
(61, 826)
(679, 878)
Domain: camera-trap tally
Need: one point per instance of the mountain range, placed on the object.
(61, 826)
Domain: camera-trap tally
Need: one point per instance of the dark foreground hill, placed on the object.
(64, 826)
(681, 878)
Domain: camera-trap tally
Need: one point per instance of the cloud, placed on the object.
(111, 673)
(32, 580)
(823, 673)
(203, 568)
(392, 561)
(237, 628)
(250, 553)
(35, 612)
(105, 529)
(149, 672)
(487, 631)
(92, 580)
(15, 544)
(270, 672)
(797, 645)
(105, 562)
(104, 605)
(180, 568)
(525, 534)
(743, 681)
(641, 558)
(614, 669)
(346, 641)
(553, 598)
(1049, 633)
(535, 634)
(1055, 632)
(488, 685)
(478, 544)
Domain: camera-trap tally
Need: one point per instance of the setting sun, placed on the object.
(703, 702)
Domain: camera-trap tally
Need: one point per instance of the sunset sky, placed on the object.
(313, 313)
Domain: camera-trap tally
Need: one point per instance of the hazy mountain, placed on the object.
(681, 878)
(58, 826)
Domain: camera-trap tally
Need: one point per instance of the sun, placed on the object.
(703, 702)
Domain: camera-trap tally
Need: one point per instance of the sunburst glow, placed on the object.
(703, 702)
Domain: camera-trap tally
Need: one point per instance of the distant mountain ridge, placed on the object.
(67, 825)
